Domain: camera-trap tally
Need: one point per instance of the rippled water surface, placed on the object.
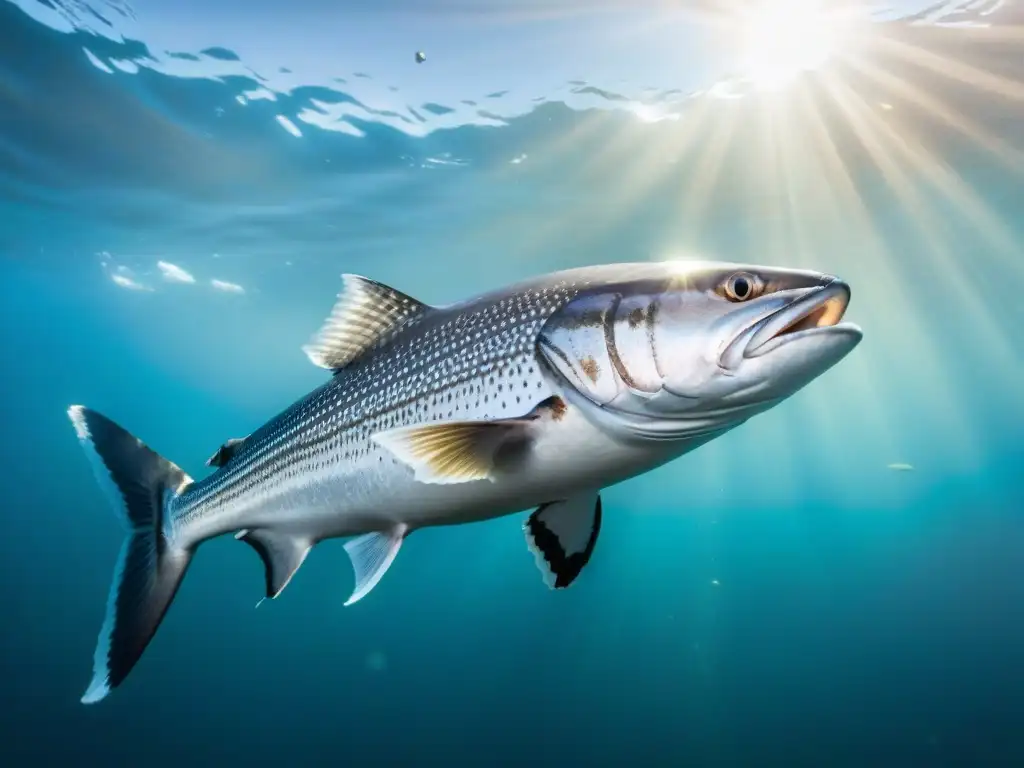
(837, 582)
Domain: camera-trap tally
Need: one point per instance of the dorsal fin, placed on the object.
(366, 313)
(223, 454)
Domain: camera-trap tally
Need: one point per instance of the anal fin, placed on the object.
(281, 553)
(561, 535)
(371, 556)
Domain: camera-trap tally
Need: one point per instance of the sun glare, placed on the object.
(783, 38)
(873, 164)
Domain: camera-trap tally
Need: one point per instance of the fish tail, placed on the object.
(150, 567)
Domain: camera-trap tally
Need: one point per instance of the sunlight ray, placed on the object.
(943, 114)
(635, 168)
(670, 148)
(643, 165)
(774, 152)
(951, 273)
(881, 140)
(700, 183)
(940, 175)
(958, 70)
(793, 149)
(878, 260)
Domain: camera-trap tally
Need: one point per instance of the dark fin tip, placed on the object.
(566, 568)
(149, 569)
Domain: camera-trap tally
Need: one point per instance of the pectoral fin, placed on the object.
(371, 556)
(561, 535)
(460, 451)
(281, 554)
(447, 453)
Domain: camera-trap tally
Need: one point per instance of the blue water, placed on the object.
(780, 597)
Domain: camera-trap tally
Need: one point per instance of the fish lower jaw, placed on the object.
(819, 312)
(849, 329)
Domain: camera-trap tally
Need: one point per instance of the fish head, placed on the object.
(679, 350)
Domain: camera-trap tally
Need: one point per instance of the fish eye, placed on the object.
(741, 286)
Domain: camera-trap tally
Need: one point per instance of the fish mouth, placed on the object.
(817, 313)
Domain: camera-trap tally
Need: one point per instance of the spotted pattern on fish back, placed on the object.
(475, 361)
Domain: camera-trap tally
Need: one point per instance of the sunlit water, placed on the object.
(838, 582)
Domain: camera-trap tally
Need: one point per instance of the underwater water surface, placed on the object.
(836, 582)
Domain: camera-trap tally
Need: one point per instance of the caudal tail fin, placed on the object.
(149, 569)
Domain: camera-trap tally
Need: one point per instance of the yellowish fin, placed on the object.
(459, 451)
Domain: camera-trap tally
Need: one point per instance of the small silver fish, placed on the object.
(535, 396)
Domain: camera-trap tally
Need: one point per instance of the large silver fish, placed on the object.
(535, 396)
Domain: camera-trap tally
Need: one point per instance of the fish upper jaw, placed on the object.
(817, 311)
